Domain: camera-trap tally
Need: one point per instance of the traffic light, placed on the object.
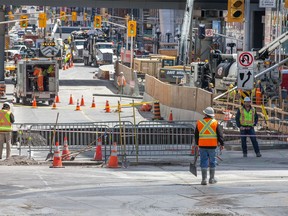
(235, 11)
(97, 21)
(74, 16)
(62, 15)
(10, 15)
(24, 21)
(286, 4)
(132, 28)
(42, 20)
(85, 17)
(201, 31)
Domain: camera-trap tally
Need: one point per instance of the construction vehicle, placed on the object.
(78, 39)
(225, 71)
(26, 84)
(152, 64)
(97, 51)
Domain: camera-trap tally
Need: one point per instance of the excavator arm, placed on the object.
(269, 48)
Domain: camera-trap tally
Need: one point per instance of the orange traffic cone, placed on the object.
(71, 102)
(93, 103)
(65, 151)
(57, 100)
(77, 106)
(98, 151)
(57, 161)
(34, 103)
(54, 105)
(193, 150)
(82, 101)
(107, 107)
(113, 160)
(170, 116)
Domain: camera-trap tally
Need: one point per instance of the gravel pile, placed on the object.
(19, 161)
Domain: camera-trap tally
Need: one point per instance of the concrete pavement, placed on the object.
(246, 186)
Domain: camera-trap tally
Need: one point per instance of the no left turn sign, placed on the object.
(245, 59)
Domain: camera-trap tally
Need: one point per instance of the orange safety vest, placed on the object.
(5, 124)
(207, 132)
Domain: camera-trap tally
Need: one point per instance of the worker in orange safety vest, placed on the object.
(38, 73)
(208, 134)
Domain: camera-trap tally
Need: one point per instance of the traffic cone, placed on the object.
(57, 161)
(82, 101)
(71, 102)
(54, 105)
(98, 151)
(170, 116)
(107, 107)
(113, 159)
(34, 103)
(93, 103)
(77, 106)
(157, 115)
(65, 151)
(193, 150)
(57, 100)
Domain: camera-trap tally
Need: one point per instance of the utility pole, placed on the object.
(2, 48)
(247, 23)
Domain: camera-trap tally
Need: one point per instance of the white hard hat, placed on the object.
(209, 111)
(247, 99)
(6, 104)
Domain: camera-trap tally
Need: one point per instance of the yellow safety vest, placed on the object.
(5, 124)
(207, 132)
(247, 118)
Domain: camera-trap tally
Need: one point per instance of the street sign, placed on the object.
(209, 32)
(267, 3)
(245, 59)
(245, 79)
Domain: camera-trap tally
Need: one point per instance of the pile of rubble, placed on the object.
(19, 161)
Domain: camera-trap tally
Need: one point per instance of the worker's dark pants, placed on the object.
(251, 132)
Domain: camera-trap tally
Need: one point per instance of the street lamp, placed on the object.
(168, 34)
(158, 33)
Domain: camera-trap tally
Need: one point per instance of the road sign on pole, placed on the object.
(245, 79)
(245, 59)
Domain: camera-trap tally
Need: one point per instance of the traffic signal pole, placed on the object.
(247, 23)
(2, 47)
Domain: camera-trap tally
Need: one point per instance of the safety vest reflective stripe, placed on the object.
(247, 118)
(56, 154)
(207, 133)
(5, 124)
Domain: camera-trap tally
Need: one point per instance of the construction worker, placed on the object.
(246, 118)
(232, 93)
(211, 88)
(6, 121)
(208, 134)
(38, 73)
(121, 82)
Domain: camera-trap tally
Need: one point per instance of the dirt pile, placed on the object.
(19, 161)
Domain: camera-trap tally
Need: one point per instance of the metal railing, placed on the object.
(147, 139)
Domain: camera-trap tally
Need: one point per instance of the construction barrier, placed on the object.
(146, 140)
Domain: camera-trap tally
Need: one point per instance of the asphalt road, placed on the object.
(78, 81)
(246, 186)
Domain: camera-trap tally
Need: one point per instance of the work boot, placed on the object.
(204, 176)
(212, 179)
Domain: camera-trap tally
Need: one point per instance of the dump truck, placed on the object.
(43, 85)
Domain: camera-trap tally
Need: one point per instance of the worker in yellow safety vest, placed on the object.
(246, 118)
(208, 134)
(6, 121)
